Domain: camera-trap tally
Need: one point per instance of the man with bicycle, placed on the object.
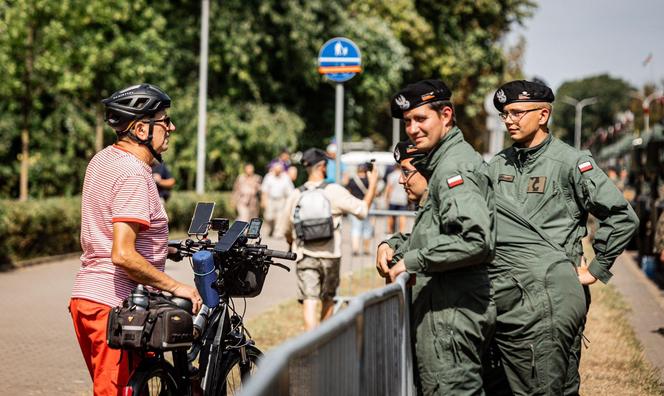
(124, 229)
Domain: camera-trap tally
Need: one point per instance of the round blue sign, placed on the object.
(339, 59)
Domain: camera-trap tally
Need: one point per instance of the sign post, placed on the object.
(339, 60)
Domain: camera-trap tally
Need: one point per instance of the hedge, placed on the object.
(48, 227)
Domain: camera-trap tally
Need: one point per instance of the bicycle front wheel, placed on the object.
(155, 379)
(234, 372)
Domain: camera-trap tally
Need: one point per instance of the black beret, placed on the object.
(404, 150)
(417, 94)
(521, 91)
(313, 156)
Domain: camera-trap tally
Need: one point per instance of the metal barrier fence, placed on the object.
(362, 350)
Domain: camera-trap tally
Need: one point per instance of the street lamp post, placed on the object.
(202, 97)
(645, 105)
(578, 105)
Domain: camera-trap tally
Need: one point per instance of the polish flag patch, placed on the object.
(454, 181)
(585, 167)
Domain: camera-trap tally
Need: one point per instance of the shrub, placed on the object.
(39, 228)
(51, 226)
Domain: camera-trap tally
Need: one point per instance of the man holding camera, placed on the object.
(124, 229)
(451, 243)
(319, 256)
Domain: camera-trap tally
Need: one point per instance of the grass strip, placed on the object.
(613, 363)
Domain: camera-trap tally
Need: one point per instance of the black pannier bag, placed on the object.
(163, 326)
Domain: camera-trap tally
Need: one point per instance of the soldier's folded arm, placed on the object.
(616, 218)
(399, 243)
(466, 238)
(396, 240)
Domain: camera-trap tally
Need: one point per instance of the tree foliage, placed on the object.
(613, 96)
(264, 92)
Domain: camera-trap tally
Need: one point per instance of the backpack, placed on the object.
(312, 217)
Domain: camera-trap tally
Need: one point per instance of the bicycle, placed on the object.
(222, 344)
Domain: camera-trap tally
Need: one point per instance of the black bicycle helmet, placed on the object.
(133, 103)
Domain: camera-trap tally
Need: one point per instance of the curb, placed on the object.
(651, 288)
(8, 267)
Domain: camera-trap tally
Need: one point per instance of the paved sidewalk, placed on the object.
(40, 352)
(647, 308)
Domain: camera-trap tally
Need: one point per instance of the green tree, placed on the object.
(613, 96)
(468, 52)
(32, 57)
(60, 58)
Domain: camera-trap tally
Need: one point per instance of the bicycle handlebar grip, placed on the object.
(281, 255)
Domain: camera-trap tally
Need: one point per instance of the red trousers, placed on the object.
(109, 368)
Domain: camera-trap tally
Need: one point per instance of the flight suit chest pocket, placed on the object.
(536, 184)
(549, 203)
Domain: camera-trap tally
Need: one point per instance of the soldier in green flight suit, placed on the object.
(539, 299)
(554, 187)
(417, 191)
(450, 246)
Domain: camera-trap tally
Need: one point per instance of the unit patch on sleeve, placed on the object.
(585, 167)
(536, 184)
(454, 181)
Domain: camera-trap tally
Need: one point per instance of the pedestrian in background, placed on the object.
(164, 180)
(319, 261)
(331, 152)
(246, 193)
(284, 159)
(275, 188)
(361, 229)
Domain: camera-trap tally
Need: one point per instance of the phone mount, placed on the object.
(201, 219)
(228, 240)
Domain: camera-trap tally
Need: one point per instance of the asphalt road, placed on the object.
(41, 355)
(39, 348)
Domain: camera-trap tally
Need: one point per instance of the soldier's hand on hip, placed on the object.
(383, 259)
(585, 277)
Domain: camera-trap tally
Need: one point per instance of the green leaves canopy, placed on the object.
(264, 89)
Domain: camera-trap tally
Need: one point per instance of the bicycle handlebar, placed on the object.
(272, 253)
(187, 247)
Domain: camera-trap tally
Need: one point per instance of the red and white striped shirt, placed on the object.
(118, 187)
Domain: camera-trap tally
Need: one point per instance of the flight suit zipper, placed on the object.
(533, 370)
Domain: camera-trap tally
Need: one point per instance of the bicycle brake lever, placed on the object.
(281, 266)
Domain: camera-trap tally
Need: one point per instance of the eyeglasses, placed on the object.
(166, 120)
(407, 173)
(516, 115)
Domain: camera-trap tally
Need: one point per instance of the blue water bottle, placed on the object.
(205, 277)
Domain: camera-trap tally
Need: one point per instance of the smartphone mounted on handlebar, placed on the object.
(254, 228)
(201, 219)
(231, 236)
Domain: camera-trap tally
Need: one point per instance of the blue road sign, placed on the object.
(339, 59)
